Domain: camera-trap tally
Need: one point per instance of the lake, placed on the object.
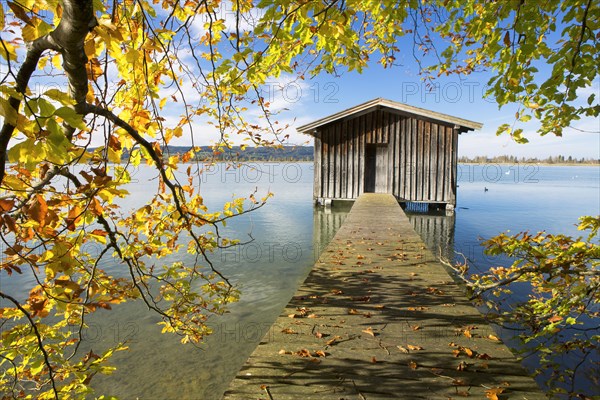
(288, 236)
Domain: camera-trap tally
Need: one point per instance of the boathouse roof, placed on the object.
(463, 125)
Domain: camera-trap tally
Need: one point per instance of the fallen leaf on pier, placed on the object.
(320, 353)
(402, 349)
(493, 393)
(333, 341)
(414, 348)
(484, 356)
(337, 291)
(362, 298)
(415, 327)
(419, 308)
(433, 290)
(288, 331)
(353, 311)
(459, 382)
(312, 316)
(303, 353)
(369, 331)
(360, 257)
(413, 365)
(494, 338)
(373, 360)
(282, 351)
(379, 306)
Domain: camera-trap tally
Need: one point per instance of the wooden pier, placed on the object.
(380, 318)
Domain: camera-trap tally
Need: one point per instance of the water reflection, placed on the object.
(326, 222)
(436, 229)
(157, 366)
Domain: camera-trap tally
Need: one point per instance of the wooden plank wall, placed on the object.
(421, 157)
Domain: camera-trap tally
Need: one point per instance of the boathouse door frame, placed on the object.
(376, 168)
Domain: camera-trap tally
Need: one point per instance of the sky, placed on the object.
(303, 101)
(310, 100)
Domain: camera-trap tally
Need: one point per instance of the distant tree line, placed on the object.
(239, 153)
(505, 159)
(305, 153)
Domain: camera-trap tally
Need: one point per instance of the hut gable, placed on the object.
(384, 146)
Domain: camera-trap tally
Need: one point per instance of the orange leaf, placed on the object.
(38, 210)
(414, 348)
(507, 41)
(114, 143)
(493, 393)
(555, 318)
(10, 222)
(73, 216)
(369, 331)
(402, 349)
(304, 353)
(96, 207)
(6, 205)
(468, 352)
(413, 365)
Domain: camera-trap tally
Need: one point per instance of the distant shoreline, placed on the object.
(540, 163)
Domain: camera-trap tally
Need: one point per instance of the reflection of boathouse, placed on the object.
(383, 146)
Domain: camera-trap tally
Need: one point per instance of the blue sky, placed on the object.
(462, 97)
(303, 101)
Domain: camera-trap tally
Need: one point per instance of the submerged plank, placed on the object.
(379, 318)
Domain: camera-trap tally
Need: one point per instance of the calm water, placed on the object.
(289, 234)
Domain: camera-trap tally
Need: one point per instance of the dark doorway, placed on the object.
(376, 168)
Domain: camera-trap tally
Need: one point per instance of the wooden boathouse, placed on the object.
(383, 146)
